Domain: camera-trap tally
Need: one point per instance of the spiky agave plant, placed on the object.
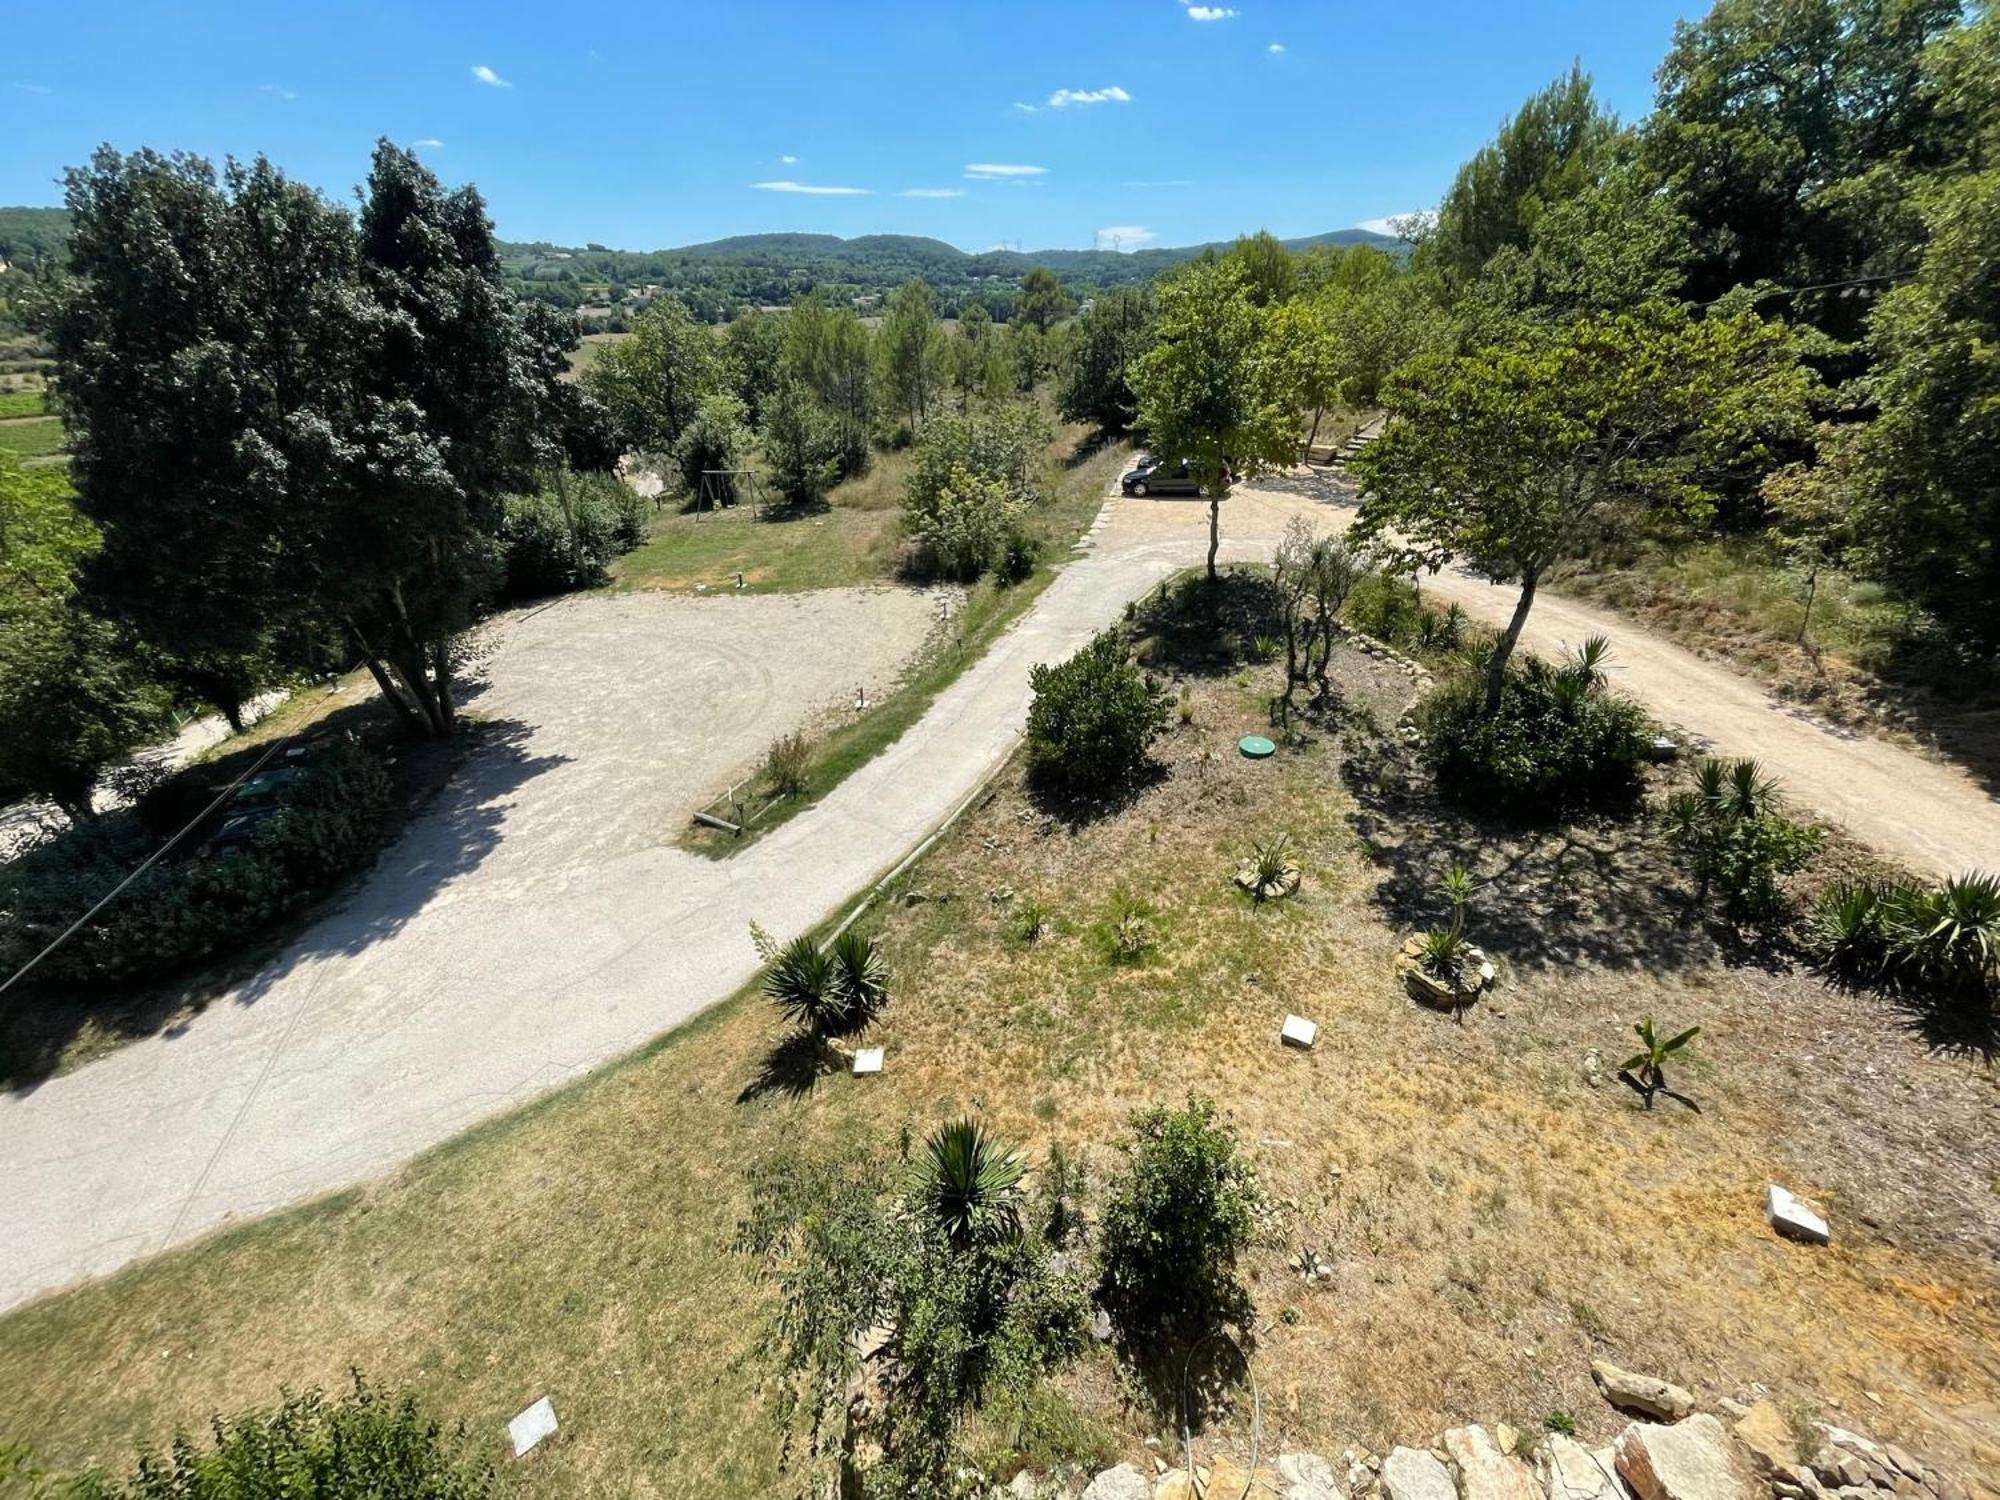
(1846, 930)
(1268, 862)
(863, 981)
(805, 986)
(968, 1184)
(1948, 936)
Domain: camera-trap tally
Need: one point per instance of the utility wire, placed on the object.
(150, 860)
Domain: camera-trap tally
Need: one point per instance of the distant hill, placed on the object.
(768, 269)
(28, 234)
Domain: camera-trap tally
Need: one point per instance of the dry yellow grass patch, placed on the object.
(1493, 1220)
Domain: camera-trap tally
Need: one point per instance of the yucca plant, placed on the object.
(1733, 835)
(968, 1185)
(1443, 956)
(1947, 938)
(1269, 860)
(1846, 931)
(831, 992)
(1031, 921)
(1646, 1069)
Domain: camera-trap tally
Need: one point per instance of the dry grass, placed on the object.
(1493, 1220)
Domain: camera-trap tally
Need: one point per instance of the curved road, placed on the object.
(400, 1020)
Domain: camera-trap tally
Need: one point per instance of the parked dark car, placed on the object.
(1152, 476)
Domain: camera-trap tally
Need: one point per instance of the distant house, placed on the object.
(867, 302)
(772, 307)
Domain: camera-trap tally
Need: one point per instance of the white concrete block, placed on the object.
(532, 1425)
(1299, 1032)
(867, 1060)
(1790, 1217)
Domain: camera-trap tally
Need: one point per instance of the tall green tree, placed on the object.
(1270, 275)
(653, 379)
(1215, 388)
(1042, 302)
(1097, 384)
(1787, 128)
(1506, 458)
(754, 348)
(830, 352)
(208, 345)
(1550, 151)
(913, 350)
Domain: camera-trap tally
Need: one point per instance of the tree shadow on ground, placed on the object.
(1328, 486)
(1076, 807)
(1193, 627)
(1593, 891)
(454, 793)
(791, 1069)
(1962, 1031)
(1187, 1383)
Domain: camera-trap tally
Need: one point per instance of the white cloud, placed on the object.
(1388, 222)
(429, 142)
(1027, 109)
(1276, 49)
(273, 89)
(1063, 98)
(1209, 13)
(1124, 237)
(813, 189)
(488, 77)
(788, 160)
(34, 88)
(994, 171)
(932, 193)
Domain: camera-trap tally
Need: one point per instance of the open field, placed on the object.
(31, 437)
(587, 351)
(27, 402)
(981, 613)
(1493, 1218)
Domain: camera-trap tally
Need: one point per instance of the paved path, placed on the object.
(388, 1028)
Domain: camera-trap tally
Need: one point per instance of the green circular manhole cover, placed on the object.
(1255, 746)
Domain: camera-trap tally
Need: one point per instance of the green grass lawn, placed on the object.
(40, 437)
(811, 550)
(22, 404)
(1076, 492)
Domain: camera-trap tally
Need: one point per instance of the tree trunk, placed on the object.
(441, 674)
(1214, 532)
(397, 699)
(416, 677)
(1503, 649)
(232, 714)
(1313, 436)
(1812, 592)
(79, 809)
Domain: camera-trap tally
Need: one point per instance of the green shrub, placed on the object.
(563, 536)
(1385, 606)
(1938, 942)
(327, 822)
(1735, 840)
(968, 493)
(1174, 1225)
(363, 1444)
(1093, 717)
(788, 764)
(1558, 741)
(975, 1319)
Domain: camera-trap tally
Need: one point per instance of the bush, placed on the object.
(1557, 742)
(563, 537)
(1174, 1226)
(362, 1444)
(1385, 606)
(969, 490)
(975, 1321)
(1736, 841)
(787, 764)
(326, 823)
(1941, 942)
(1093, 717)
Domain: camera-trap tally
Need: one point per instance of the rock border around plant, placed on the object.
(1427, 989)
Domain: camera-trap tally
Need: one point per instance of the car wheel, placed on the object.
(1139, 489)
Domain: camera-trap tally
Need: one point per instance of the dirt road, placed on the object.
(535, 923)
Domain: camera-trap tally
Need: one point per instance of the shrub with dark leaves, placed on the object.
(1557, 743)
(1093, 718)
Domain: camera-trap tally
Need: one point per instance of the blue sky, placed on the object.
(648, 125)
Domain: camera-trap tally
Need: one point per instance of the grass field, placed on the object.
(36, 437)
(1492, 1217)
(587, 352)
(23, 403)
(1076, 490)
